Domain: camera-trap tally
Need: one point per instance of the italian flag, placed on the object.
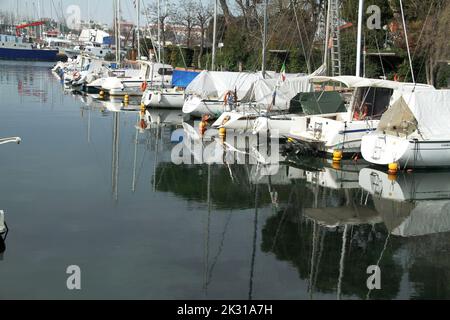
(283, 72)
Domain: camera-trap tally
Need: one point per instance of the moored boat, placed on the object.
(15, 48)
(413, 133)
(369, 100)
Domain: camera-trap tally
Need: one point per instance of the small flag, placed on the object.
(283, 72)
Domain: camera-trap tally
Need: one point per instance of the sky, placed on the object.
(98, 10)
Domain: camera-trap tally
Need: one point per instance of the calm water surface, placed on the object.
(87, 188)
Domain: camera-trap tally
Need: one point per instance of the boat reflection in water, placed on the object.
(329, 222)
(3, 233)
(412, 204)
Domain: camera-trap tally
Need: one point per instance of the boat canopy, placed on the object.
(279, 93)
(182, 78)
(360, 82)
(425, 111)
(311, 103)
(216, 84)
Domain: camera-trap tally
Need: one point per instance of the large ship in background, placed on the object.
(15, 48)
(19, 47)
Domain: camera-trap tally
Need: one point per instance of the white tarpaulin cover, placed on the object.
(431, 108)
(360, 82)
(285, 91)
(215, 84)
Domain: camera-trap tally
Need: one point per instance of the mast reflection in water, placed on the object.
(89, 187)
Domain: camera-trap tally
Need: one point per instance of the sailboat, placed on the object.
(273, 113)
(213, 93)
(148, 74)
(209, 93)
(414, 132)
(172, 97)
(141, 75)
(369, 100)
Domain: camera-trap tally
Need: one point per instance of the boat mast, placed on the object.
(138, 10)
(159, 32)
(213, 58)
(118, 31)
(407, 43)
(263, 67)
(115, 25)
(359, 38)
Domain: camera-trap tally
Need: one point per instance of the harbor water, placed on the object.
(87, 187)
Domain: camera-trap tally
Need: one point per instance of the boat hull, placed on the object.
(163, 100)
(327, 134)
(29, 54)
(198, 107)
(382, 149)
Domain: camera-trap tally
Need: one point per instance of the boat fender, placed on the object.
(143, 124)
(144, 86)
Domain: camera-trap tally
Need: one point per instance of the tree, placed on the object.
(187, 18)
(167, 10)
(203, 14)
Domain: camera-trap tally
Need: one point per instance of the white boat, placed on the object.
(343, 131)
(96, 69)
(327, 104)
(170, 98)
(164, 98)
(278, 105)
(151, 74)
(207, 93)
(413, 133)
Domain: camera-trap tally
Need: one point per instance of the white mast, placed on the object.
(39, 18)
(213, 58)
(138, 20)
(359, 39)
(263, 67)
(407, 43)
(118, 31)
(159, 32)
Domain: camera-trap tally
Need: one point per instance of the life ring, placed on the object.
(396, 77)
(144, 86)
(225, 99)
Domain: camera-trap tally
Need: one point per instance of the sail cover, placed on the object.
(431, 110)
(215, 84)
(280, 93)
